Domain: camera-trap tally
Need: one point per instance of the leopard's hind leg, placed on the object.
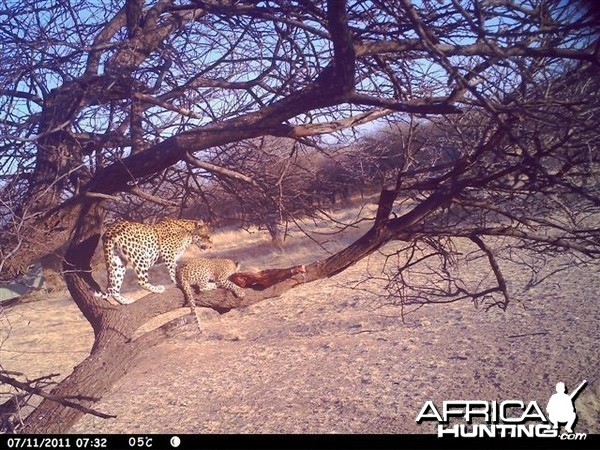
(115, 271)
(141, 266)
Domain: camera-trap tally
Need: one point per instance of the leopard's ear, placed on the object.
(201, 225)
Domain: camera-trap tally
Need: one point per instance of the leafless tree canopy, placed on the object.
(147, 108)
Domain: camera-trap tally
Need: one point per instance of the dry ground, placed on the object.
(326, 358)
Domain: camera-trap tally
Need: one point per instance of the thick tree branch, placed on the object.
(156, 28)
(343, 49)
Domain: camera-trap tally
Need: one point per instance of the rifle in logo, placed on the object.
(575, 393)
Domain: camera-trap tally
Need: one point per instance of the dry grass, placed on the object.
(325, 357)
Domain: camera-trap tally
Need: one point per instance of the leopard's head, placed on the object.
(201, 235)
(196, 228)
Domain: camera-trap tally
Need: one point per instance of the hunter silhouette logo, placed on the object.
(561, 408)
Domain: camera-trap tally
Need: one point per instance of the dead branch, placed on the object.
(63, 401)
(218, 170)
(151, 198)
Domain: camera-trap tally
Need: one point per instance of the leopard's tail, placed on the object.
(188, 294)
(109, 255)
(190, 299)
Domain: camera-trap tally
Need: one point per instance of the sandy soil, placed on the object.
(326, 358)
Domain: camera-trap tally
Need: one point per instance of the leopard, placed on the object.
(199, 272)
(141, 245)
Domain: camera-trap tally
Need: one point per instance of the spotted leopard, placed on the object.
(142, 245)
(199, 272)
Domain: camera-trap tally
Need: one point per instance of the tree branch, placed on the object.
(495, 268)
(591, 251)
(296, 131)
(213, 168)
(158, 102)
(37, 391)
(416, 106)
(151, 198)
(405, 46)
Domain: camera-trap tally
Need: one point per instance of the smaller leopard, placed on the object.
(199, 272)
